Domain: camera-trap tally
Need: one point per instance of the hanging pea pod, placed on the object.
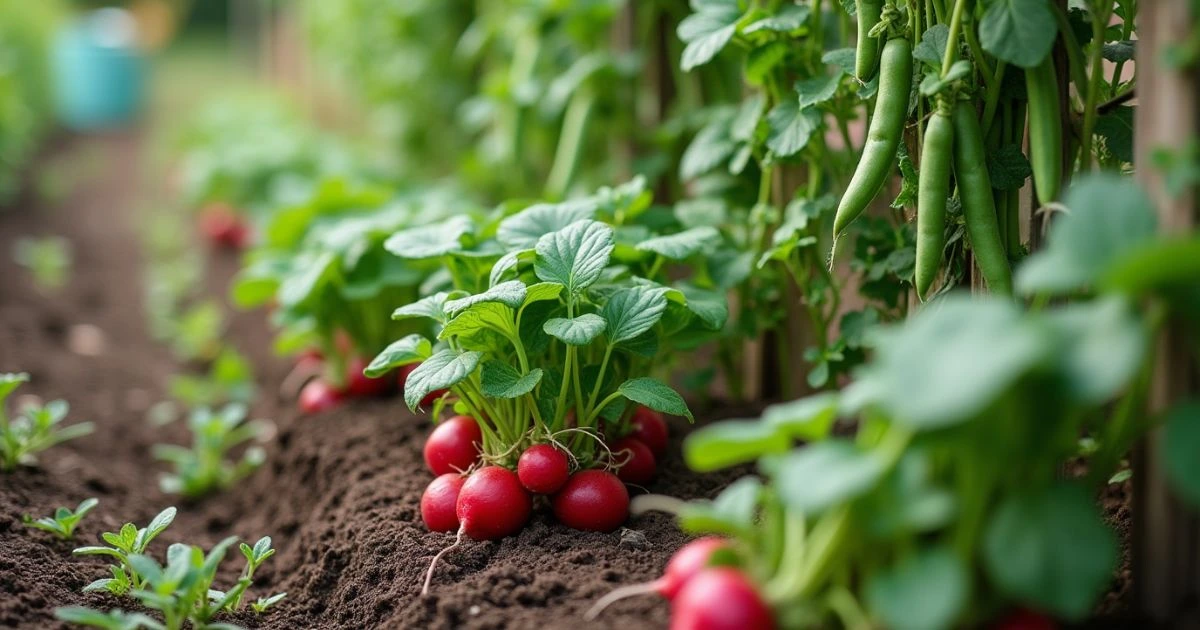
(979, 208)
(883, 135)
(933, 189)
(1045, 130)
(866, 51)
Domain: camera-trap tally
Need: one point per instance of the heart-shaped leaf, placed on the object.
(574, 256)
(443, 370)
(631, 312)
(510, 294)
(578, 331)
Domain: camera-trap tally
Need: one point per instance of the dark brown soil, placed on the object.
(339, 492)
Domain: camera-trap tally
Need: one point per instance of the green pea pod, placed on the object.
(933, 189)
(883, 134)
(1045, 130)
(866, 53)
(979, 208)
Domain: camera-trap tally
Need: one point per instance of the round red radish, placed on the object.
(453, 446)
(636, 460)
(543, 469)
(651, 429)
(439, 503)
(492, 504)
(720, 598)
(317, 396)
(430, 397)
(359, 385)
(223, 227)
(592, 500)
(689, 560)
(1024, 619)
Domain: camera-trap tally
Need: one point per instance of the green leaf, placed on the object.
(1050, 550)
(825, 474)
(1008, 167)
(443, 370)
(1160, 265)
(732, 442)
(655, 395)
(819, 89)
(1119, 51)
(790, 128)
(932, 48)
(500, 380)
(789, 18)
(1019, 32)
(707, 31)
(405, 351)
(579, 331)
(808, 419)
(744, 124)
(10, 382)
(430, 307)
(524, 229)
(709, 307)
(1108, 217)
(681, 245)
(842, 59)
(710, 148)
(928, 373)
(430, 241)
(1101, 347)
(510, 294)
(1116, 127)
(633, 311)
(926, 591)
(1180, 443)
(934, 82)
(732, 513)
(483, 316)
(574, 256)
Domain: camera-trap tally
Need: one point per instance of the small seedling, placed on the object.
(127, 542)
(111, 620)
(230, 378)
(48, 259)
(205, 467)
(263, 603)
(64, 521)
(197, 332)
(35, 430)
(182, 589)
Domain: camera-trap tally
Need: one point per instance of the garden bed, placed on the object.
(339, 492)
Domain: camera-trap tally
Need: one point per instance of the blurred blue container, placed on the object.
(99, 74)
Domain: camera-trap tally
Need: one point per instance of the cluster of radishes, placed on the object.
(319, 394)
(702, 596)
(490, 502)
(224, 227)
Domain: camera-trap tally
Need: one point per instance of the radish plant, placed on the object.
(323, 267)
(64, 521)
(35, 429)
(129, 540)
(920, 518)
(553, 325)
(206, 467)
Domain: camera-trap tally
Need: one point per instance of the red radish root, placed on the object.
(493, 504)
(543, 469)
(453, 446)
(317, 396)
(636, 460)
(592, 500)
(439, 503)
(360, 385)
(688, 561)
(720, 599)
(651, 429)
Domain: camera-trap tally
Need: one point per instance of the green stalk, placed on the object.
(952, 39)
(1096, 66)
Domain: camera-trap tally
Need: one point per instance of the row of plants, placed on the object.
(549, 332)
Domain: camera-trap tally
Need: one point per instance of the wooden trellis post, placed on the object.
(1166, 544)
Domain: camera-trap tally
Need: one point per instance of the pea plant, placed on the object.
(64, 520)
(919, 518)
(35, 429)
(206, 467)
